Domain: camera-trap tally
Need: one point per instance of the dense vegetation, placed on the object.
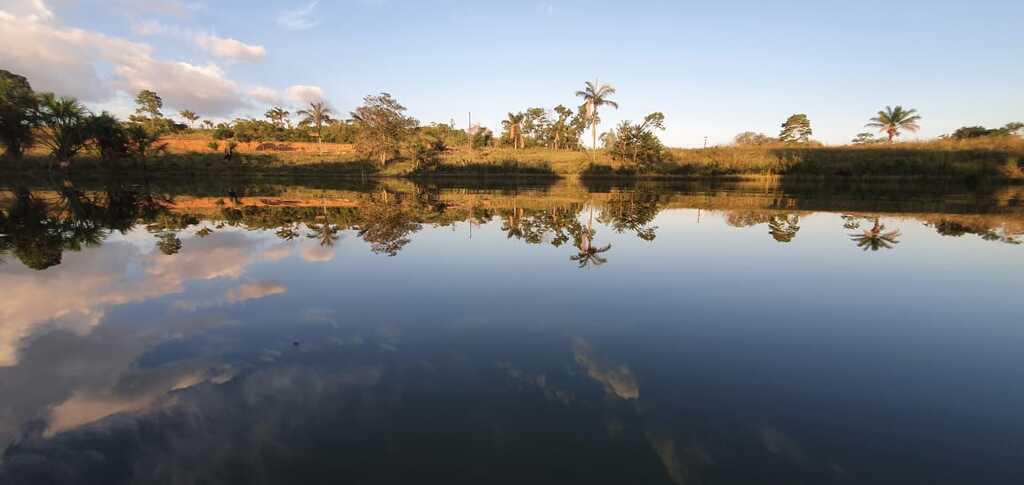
(379, 138)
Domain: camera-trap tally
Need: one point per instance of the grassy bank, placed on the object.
(986, 159)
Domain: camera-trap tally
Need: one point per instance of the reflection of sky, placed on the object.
(921, 335)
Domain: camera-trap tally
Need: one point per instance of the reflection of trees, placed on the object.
(387, 228)
(952, 228)
(633, 211)
(876, 238)
(325, 233)
(38, 231)
(783, 228)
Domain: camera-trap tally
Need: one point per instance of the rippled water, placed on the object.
(385, 332)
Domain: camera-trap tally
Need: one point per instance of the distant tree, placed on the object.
(189, 116)
(207, 124)
(891, 120)
(513, 126)
(317, 115)
(383, 126)
(866, 139)
(18, 107)
(750, 138)
(65, 126)
(149, 104)
(535, 125)
(967, 132)
(796, 129)
(595, 95)
(278, 116)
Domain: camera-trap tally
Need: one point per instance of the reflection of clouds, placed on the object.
(76, 294)
(205, 426)
(617, 379)
(254, 291)
(317, 254)
(780, 443)
(246, 292)
(277, 253)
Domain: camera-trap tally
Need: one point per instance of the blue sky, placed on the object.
(714, 68)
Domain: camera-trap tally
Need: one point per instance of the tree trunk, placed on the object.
(593, 128)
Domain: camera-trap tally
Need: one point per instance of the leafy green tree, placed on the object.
(278, 116)
(190, 116)
(18, 109)
(535, 125)
(596, 95)
(750, 138)
(891, 120)
(383, 126)
(513, 130)
(637, 142)
(149, 104)
(317, 115)
(796, 129)
(65, 127)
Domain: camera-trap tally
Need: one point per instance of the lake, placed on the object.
(357, 331)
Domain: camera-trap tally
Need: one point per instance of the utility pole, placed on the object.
(469, 132)
(705, 143)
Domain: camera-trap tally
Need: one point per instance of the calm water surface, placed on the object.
(250, 333)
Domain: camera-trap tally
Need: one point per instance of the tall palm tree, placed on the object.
(876, 238)
(514, 125)
(891, 120)
(595, 95)
(317, 115)
(278, 116)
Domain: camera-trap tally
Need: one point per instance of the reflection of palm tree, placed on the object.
(588, 253)
(325, 233)
(876, 238)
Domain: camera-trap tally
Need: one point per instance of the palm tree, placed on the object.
(876, 238)
(514, 125)
(317, 115)
(891, 120)
(588, 253)
(65, 130)
(595, 95)
(278, 116)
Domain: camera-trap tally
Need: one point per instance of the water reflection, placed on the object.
(310, 334)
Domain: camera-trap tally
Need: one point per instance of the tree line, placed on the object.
(380, 129)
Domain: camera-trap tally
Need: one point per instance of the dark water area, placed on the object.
(353, 331)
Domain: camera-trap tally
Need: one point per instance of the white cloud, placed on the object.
(300, 18)
(265, 94)
(305, 94)
(68, 61)
(227, 48)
